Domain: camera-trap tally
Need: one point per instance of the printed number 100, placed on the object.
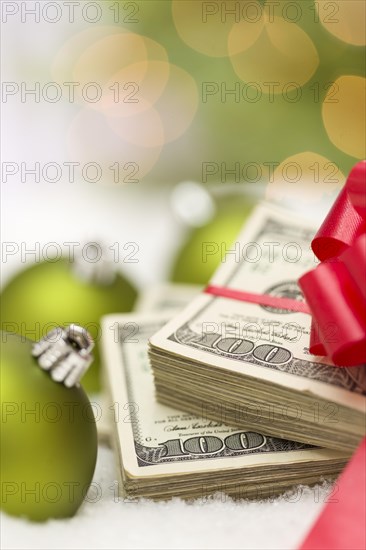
(209, 444)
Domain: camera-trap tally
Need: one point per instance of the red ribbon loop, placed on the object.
(336, 290)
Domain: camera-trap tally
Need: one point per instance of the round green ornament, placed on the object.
(205, 246)
(48, 430)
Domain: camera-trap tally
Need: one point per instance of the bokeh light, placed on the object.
(143, 129)
(283, 53)
(345, 19)
(344, 115)
(306, 176)
(98, 40)
(113, 59)
(244, 34)
(199, 25)
(144, 80)
(92, 138)
(104, 57)
(178, 104)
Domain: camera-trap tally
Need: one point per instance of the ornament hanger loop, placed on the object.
(65, 353)
(80, 337)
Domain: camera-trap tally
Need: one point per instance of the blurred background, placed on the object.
(149, 127)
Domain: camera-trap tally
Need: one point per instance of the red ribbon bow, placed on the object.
(336, 290)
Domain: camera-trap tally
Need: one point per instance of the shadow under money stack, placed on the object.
(248, 364)
(163, 452)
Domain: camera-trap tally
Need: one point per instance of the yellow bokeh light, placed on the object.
(345, 19)
(135, 87)
(204, 26)
(119, 63)
(92, 140)
(304, 178)
(178, 104)
(283, 54)
(344, 114)
(67, 58)
(109, 55)
(243, 35)
(143, 129)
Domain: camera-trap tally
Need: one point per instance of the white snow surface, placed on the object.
(219, 523)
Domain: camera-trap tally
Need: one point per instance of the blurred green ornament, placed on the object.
(48, 437)
(218, 221)
(49, 294)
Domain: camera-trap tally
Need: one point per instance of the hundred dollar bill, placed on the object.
(248, 363)
(165, 452)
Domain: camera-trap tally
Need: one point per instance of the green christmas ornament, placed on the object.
(218, 221)
(48, 430)
(50, 294)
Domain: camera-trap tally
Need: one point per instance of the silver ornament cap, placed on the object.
(65, 353)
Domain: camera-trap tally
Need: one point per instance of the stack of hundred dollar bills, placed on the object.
(233, 402)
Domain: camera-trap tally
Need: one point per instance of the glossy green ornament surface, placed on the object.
(203, 251)
(50, 294)
(48, 438)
